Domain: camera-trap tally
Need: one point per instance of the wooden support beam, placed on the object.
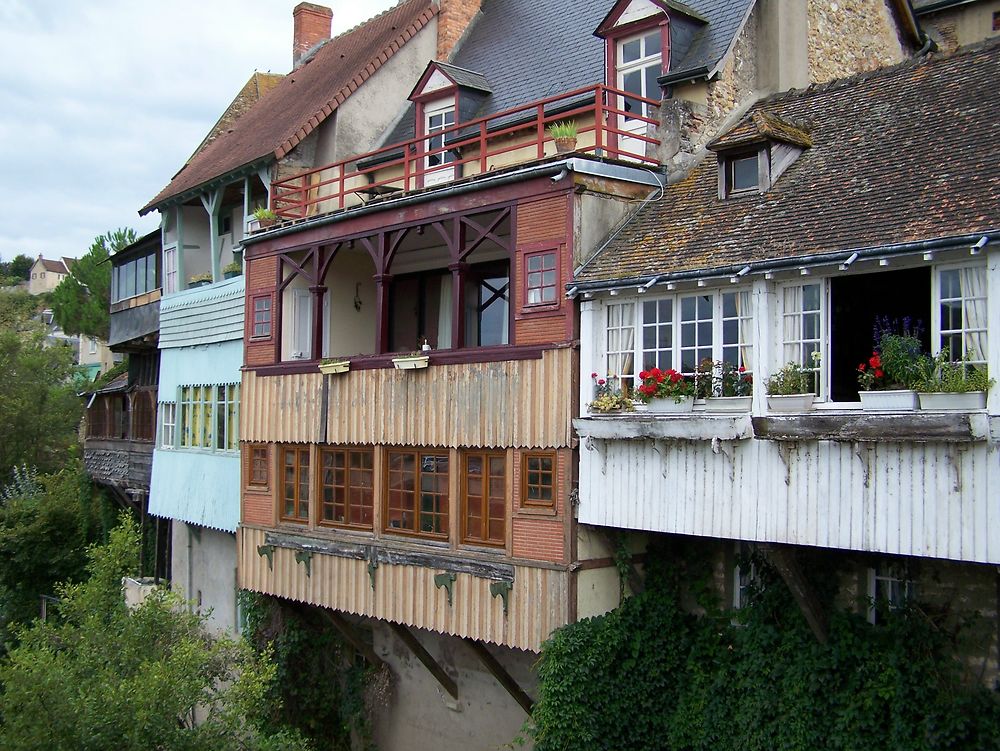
(446, 681)
(782, 557)
(351, 637)
(498, 671)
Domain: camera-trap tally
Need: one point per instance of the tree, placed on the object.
(16, 270)
(103, 676)
(39, 408)
(81, 302)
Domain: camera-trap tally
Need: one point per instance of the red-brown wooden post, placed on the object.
(599, 120)
(541, 130)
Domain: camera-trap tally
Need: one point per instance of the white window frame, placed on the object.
(822, 342)
(168, 425)
(640, 64)
(938, 332)
(205, 397)
(438, 172)
(614, 360)
(896, 577)
(170, 270)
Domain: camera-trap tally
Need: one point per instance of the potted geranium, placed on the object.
(666, 390)
(608, 398)
(947, 385)
(735, 389)
(790, 389)
(886, 378)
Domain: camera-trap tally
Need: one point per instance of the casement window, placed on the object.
(135, 277)
(416, 499)
(961, 308)
(679, 332)
(347, 487)
(209, 417)
(261, 317)
(170, 270)
(295, 484)
(541, 278)
(802, 320)
(484, 498)
(638, 64)
(259, 470)
(168, 425)
(487, 301)
(538, 479)
(889, 588)
(438, 117)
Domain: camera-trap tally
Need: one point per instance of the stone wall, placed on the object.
(851, 36)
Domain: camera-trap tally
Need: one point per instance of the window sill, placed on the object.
(537, 511)
(687, 426)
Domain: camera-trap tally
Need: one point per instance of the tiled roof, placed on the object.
(303, 98)
(55, 266)
(535, 49)
(256, 87)
(763, 126)
(902, 154)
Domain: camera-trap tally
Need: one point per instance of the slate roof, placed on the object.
(303, 98)
(463, 77)
(535, 49)
(902, 154)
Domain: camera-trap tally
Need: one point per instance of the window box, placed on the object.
(964, 402)
(790, 402)
(410, 362)
(893, 400)
(332, 367)
(728, 403)
(670, 405)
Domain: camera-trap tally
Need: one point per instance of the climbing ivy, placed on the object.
(671, 669)
(321, 684)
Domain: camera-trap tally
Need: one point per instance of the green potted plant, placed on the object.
(885, 381)
(199, 280)
(947, 385)
(564, 135)
(334, 365)
(666, 390)
(607, 398)
(264, 217)
(790, 389)
(735, 389)
(231, 270)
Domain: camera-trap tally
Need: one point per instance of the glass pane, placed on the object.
(631, 51)
(729, 305)
(666, 336)
(705, 333)
(950, 284)
(140, 275)
(632, 83)
(810, 297)
(744, 173)
(687, 308)
(651, 42)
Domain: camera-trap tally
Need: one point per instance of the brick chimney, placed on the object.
(453, 18)
(312, 25)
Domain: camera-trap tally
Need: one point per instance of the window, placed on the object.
(209, 417)
(742, 173)
(261, 317)
(889, 588)
(295, 484)
(168, 424)
(679, 332)
(417, 493)
(143, 416)
(961, 316)
(802, 328)
(134, 277)
(487, 300)
(638, 66)
(347, 487)
(92, 346)
(437, 118)
(259, 474)
(484, 498)
(538, 480)
(541, 278)
(169, 270)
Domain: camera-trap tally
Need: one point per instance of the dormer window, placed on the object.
(754, 154)
(639, 64)
(438, 117)
(742, 173)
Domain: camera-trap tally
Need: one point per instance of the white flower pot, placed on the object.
(728, 403)
(965, 402)
(638, 406)
(897, 400)
(671, 406)
(329, 368)
(790, 402)
(410, 362)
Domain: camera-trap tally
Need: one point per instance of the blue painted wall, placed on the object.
(197, 487)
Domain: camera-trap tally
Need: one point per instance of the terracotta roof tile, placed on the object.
(902, 154)
(282, 119)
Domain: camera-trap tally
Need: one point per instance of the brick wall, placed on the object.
(311, 24)
(540, 534)
(453, 19)
(260, 278)
(542, 226)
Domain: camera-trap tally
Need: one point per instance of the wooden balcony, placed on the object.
(604, 128)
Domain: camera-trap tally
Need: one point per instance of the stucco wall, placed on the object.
(203, 566)
(963, 25)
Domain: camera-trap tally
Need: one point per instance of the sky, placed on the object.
(102, 102)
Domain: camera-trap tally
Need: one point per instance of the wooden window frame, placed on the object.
(253, 335)
(253, 480)
(485, 519)
(418, 472)
(297, 499)
(526, 501)
(526, 288)
(348, 487)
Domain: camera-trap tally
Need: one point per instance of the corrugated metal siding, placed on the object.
(203, 315)
(197, 487)
(923, 499)
(538, 602)
(522, 403)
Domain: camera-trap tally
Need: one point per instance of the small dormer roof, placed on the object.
(625, 12)
(761, 127)
(438, 75)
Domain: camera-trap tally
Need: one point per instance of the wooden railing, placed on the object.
(606, 126)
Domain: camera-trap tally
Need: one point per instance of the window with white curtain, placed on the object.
(802, 316)
(679, 331)
(961, 308)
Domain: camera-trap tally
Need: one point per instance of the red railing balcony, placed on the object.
(610, 123)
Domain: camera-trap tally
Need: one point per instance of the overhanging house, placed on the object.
(410, 373)
(810, 220)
